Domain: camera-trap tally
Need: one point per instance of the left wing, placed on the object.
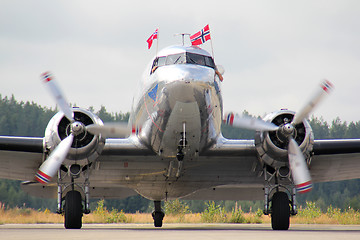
(332, 160)
(335, 160)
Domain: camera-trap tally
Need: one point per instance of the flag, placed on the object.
(201, 37)
(152, 37)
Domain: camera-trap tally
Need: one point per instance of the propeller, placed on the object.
(51, 165)
(249, 123)
(109, 130)
(50, 83)
(49, 168)
(297, 162)
(326, 88)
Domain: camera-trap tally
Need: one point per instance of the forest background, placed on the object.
(30, 119)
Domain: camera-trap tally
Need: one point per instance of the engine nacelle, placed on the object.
(85, 145)
(272, 146)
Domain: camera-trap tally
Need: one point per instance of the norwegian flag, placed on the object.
(201, 37)
(152, 37)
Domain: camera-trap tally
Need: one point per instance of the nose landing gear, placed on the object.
(158, 214)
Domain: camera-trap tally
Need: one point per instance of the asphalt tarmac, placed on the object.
(178, 231)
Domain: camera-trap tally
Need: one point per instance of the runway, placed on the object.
(178, 231)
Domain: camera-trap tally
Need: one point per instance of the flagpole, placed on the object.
(157, 42)
(212, 48)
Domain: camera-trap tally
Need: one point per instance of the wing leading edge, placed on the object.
(20, 156)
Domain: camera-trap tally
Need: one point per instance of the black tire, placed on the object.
(158, 218)
(73, 210)
(280, 211)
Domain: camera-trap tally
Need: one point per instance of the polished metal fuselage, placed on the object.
(175, 101)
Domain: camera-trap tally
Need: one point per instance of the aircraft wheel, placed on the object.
(73, 210)
(158, 218)
(280, 211)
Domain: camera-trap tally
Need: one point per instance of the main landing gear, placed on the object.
(74, 206)
(281, 206)
(158, 214)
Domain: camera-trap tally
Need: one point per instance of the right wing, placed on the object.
(20, 157)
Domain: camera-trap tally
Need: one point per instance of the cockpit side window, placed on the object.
(209, 62)
(161, 61)
(158, 62)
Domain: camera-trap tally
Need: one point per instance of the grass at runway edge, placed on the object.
(176, 213)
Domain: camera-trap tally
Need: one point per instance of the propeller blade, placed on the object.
(56, 93)
(325, 89)
(249, 123)
(51, 165)
(109, 130)
(298, 167)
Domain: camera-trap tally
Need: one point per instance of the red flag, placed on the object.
(201, 37)
(152, 37)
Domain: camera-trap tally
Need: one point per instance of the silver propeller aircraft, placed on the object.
(172, 147)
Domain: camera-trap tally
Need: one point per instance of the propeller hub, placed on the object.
(285, 132)
(288, 129)
(76, 128)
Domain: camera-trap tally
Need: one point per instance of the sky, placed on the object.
(275, 53)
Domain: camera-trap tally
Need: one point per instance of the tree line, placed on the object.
(30, 119)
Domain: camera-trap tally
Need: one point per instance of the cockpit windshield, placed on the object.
(183, 58)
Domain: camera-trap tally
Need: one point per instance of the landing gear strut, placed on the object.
(158, 214)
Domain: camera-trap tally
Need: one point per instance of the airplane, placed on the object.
(172, 147)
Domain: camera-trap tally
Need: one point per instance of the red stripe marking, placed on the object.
(327, 86)
(303, 184)
(47, 177)
(306, 190)
(43, 175)
(232, 118)
(152, 120)
(46, 76)
(133, 130)
(40, 180)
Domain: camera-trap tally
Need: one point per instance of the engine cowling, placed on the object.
(85, 147)
(272, 146)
